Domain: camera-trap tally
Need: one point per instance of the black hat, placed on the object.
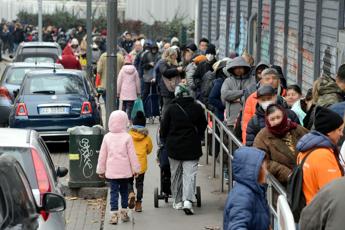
(192, 47)
(211, 49)
(139, 119)
(326, 120)
(266, 90)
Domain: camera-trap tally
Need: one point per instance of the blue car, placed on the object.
(51, 101)
(11, 80)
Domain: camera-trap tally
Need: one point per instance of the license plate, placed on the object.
(53, 110)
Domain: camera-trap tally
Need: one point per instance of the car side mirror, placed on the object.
(15, 93)
(61, 171)
(52, 202)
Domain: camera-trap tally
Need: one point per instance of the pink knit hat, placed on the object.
(128, 59)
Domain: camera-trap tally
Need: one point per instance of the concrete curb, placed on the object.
(85, 192)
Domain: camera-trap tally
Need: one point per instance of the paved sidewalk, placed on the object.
(208, 216)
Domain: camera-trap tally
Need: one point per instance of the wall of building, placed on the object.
(302, 36)
(149, 11)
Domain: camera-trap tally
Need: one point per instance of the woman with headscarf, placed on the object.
(182, 127)
(278, 139)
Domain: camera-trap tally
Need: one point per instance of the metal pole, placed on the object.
(40, 20)
(89, 39)
(111, 58)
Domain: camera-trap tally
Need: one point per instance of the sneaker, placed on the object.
(138, 207)
(114, 218)
(124, 215)
(187, 207)
(131, 200)
(178, 206)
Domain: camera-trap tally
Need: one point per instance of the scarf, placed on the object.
(283, 128)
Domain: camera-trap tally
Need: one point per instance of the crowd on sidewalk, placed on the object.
(281, 126)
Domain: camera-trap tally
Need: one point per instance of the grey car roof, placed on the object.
(58, 71)
(43, 44)
(10, 137)
(31, 64)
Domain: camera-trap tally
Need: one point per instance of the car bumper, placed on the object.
(52, 129)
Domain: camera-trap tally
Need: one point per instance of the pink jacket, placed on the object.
(128, 83)
(117, 157)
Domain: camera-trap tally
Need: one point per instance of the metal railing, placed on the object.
(221, 136)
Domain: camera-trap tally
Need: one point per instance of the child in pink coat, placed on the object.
(118, 163)
(128, 85)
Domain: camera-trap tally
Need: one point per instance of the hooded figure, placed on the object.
(246, 206)
(323, 164)
(117, 157)
(68, 60)
(233, 89)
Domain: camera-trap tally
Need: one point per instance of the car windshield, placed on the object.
(56, 84)
(39, 60)
(15, 76)
(39, 49)
(23, 156)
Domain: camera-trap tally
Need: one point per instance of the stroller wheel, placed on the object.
(198, 196)
(155, 198)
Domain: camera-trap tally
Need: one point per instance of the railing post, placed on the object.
(206, 137)
(230, 164)
(214, 146)
(221, 159)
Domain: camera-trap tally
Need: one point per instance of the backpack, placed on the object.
(206, 86)
(295, 195)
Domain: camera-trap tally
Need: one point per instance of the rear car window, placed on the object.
(16, 75)
(39, 60)
(23, 156)
(56, 84)
(40, 50)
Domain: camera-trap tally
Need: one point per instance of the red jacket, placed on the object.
(68, 60)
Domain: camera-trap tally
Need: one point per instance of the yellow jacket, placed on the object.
(142, 144)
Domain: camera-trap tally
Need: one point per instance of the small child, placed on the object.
(118, 162)
(143, 147)
(246, 206)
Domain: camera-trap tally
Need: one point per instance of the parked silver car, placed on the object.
(33, 155)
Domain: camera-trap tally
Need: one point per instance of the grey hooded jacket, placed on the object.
(234, 87)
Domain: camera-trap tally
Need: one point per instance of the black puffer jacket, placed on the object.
(182, 133)
(258, 122)
(168, 71)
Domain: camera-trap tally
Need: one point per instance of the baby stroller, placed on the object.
(151, 104)
(164, 192)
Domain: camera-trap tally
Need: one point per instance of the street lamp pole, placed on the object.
(89, 39)
(40, 20)
(111, 58)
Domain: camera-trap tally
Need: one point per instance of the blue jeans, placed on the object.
(118, 186)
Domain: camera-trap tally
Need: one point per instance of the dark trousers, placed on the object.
(147, 86)
(118, 186)
(139, 185)
(127, 106)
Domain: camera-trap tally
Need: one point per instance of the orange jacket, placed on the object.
(248, 112)
(319, 169)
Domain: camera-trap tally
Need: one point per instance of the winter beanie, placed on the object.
(211, 49)
(139, 119)
(182, 90)
(326, 120)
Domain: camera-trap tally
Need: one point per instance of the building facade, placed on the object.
(305, 37)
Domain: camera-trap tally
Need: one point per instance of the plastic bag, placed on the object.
(138, 106)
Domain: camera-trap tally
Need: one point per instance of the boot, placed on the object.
(114, 218)
(138, 207)
(131, 200)
(124, 215)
